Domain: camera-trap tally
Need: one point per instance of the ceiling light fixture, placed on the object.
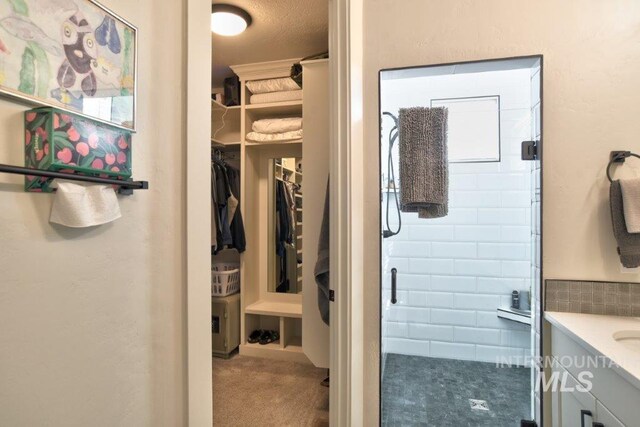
(228, 20)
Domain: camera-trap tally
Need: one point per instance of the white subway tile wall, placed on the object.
(454, 272)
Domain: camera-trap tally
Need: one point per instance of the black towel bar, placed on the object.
(125, 187)
(618, 157)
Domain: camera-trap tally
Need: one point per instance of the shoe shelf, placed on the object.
(274, 308)
(288, 347)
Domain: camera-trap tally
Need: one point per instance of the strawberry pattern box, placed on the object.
(61, 141)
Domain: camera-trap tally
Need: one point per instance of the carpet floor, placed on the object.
(426, 391)
(249, 391)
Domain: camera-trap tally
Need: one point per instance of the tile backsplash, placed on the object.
(575, 296)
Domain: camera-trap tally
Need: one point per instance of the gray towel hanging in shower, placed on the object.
(424, 167)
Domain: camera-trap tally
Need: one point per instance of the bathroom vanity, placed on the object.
(612, 344)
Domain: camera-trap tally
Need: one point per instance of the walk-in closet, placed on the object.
(269, 242)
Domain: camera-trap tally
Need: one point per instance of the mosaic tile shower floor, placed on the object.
(425, 391)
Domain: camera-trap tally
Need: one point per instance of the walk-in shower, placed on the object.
(457, 346)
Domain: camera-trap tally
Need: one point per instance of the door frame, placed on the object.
(346, 170)
(539, 295)
(346, 211)
(197, 259)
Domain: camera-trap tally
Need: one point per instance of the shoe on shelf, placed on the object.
(268, 337)
(255, 336)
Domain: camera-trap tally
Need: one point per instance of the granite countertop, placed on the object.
(595, 333)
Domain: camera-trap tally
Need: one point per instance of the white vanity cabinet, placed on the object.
(571, 407)
(611, 401)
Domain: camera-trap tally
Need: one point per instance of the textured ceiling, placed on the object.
(281, 29)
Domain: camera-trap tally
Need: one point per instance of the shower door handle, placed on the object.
(394, 274)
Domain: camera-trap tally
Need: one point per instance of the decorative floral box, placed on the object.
(59, 141)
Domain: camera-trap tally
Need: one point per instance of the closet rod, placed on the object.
(126, 187)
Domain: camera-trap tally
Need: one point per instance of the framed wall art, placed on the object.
(75, 55)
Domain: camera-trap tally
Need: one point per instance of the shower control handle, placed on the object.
(394, 274)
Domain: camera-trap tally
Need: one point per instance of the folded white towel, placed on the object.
(80, 205)
(272, 85)
(285, 136)
(287, 95)
(631, 203)
(287, 124)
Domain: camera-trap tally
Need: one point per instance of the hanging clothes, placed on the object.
(236, 226)
(223, 205)
(289, 193)
(225, 212)
(216, 231)
(286, 248)
(284, 221)
(321, 270)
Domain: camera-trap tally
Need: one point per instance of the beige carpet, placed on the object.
(258, 392)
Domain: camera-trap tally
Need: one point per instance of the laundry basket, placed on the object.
(225, 278)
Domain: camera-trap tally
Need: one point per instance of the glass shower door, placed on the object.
(459, 291)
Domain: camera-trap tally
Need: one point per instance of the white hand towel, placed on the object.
(81, 205)
(631, 203)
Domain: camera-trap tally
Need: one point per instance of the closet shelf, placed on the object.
(294, 343)
(225, 143)
(277, 107)
(272, 308)
(272, 143)
(270, 111)
(292, 351)
(288, 169)
(270, 346)
(225, 124)
(216, 104)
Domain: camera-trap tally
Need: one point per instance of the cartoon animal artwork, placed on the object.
(106, 72)
(75, 75)
(107, 35)
(23, 28)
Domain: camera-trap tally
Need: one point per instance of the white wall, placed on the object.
(454, 272)
(591, 57)
(94, 321)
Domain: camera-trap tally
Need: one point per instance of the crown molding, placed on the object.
(264, 70)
